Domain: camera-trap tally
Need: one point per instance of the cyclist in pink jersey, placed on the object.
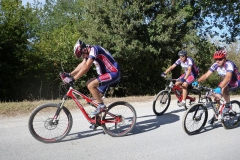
(190, 73)
(229, 74)
(107, 68)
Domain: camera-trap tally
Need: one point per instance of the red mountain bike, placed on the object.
(163, 98)
(52, 122)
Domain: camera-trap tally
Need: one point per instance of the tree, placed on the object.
(144, 36)
(13, 48)
(220, 18)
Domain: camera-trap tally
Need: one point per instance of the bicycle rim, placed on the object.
(41, 126)
(195, 119)
(232, 119)
(161, 102)
(125, 112)
(193, 97)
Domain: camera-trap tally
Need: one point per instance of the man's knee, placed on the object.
(185, 85)
(92, 83)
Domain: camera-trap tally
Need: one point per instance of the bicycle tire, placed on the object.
(158, 109)
(40, 126)
(128, 117)
(230, 122)
(194, 93)
(192, 118)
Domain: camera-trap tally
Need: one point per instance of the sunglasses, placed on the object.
(181, 56)
(218, 59)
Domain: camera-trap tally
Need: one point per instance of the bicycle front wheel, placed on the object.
(119, 119)
(193, 97)
(42, 127)
(232, 119)
(195, 119)
(161, 102)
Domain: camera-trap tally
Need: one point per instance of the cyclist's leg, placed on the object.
(98, 86)
(179, 83)
(182, 103)
(185, 85)
(232, 85)
(102, 90)
(92, 86)
(225, 93)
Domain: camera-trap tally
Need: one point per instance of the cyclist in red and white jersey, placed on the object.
(229, 74)
(107, 68)
(190, 73)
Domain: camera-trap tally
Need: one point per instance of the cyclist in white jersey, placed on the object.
(107, 68)
(190, 73)
(229, 74)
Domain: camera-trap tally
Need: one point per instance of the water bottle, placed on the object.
(178, 92)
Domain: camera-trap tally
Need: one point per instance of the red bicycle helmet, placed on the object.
(220, 54)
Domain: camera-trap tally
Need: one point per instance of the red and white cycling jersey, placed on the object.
(229, 66)
(103, 60)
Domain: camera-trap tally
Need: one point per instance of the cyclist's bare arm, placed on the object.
(84, 68)
(170, 68)
(205, 76)
(77, 69)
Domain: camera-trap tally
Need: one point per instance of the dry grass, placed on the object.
(10, 109)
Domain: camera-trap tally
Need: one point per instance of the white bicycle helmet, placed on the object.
(78, 47)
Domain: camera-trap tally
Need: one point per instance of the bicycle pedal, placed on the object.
(93, 127)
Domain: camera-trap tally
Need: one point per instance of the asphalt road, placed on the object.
(154, 137)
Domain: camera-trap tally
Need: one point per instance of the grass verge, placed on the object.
(11, 109)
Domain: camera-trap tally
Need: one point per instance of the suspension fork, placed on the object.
(200, 115)
(59, 109)
(161, 100)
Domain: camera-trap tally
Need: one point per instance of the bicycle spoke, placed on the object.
(43, 128)
(194, 119)
(123, 122)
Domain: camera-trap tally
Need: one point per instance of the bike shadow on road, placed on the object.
(209, 127)
(84, 134)
(215, 126)
(144, 123)
(150, 122)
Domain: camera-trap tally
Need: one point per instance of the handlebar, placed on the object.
(170, 79)
(204, 88)
(209, 91)
(71, 83)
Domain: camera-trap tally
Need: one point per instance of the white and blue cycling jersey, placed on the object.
(189, 62)
(229, 66)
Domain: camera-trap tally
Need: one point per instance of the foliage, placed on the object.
(220, 18)
(144, 36)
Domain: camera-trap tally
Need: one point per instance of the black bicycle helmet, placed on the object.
(182, 53)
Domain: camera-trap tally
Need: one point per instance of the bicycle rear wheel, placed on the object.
(41, 124)
(193, 97)
(195, 119)
(232, 119)
(119, 119)
(161, 102)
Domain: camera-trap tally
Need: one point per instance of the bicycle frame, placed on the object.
(71, 93)
(210, 103)
(172, 87)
